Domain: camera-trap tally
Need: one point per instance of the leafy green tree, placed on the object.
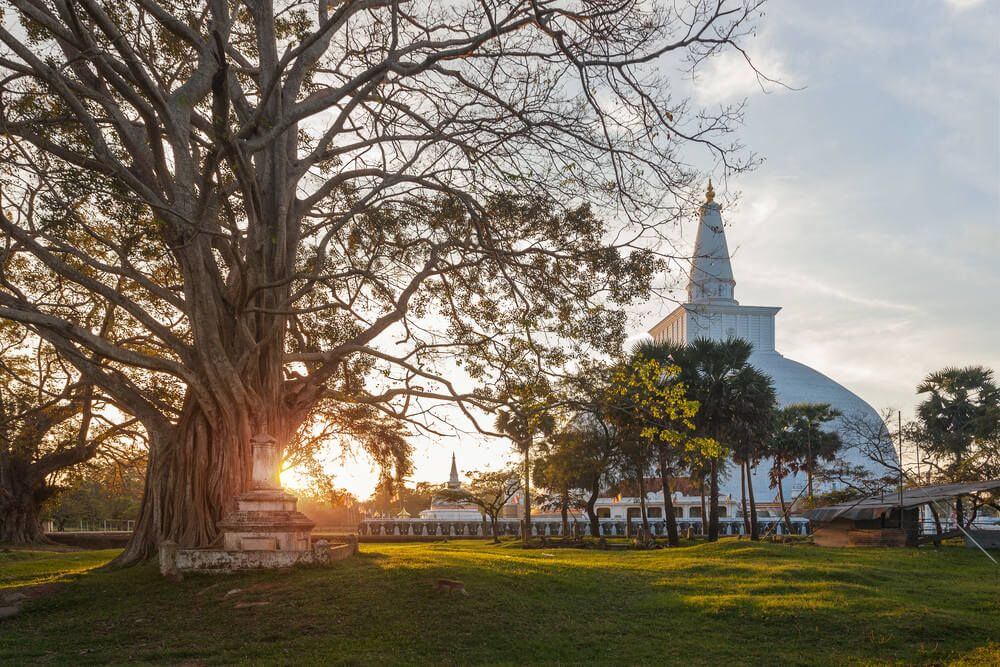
(562, 470)
(102, 488)
(294, 201)
(655, 417)
(592, 436)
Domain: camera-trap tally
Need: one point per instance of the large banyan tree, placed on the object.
(293, 204)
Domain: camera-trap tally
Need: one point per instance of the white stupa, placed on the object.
(713, 312)
(447, 509)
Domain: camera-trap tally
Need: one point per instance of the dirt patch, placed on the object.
(31, 592)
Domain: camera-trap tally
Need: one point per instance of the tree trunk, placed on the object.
(743, 498)
(19, 522)
(704, 507)
(564, 511)
(642, 506)
(496, 532)
(809, 480)
(784, 508)
(754, 525)
(959, 512)
(192, 479)
(713, 502)
(527, 492)
(595, 492)
(673, 539)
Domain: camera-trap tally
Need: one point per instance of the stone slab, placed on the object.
(217, 560)
(259, 544)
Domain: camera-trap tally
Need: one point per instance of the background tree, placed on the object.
(718, 375)
(336, 431)
(391, 499)
(799, 442)
(959, 423)
(106, 487)
(526, 416)
(289, 202)
(750, 430)
(50, 422)
(592, 436)
(655, 417)
(490, 491)
(895, 453)
(563, 470)
(803, 424)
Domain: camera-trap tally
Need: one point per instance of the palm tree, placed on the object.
(750, 431)
(800, 442)
(731, 394)
(961, 408)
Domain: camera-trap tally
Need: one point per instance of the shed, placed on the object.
(887, 519)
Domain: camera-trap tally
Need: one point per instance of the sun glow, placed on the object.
(357, 476)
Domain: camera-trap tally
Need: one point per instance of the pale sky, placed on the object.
(874, 221)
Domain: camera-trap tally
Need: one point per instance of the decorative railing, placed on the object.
(550, 528)
(89, 526)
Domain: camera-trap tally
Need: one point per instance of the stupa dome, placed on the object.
(795, 382)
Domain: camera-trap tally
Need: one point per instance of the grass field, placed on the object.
(718, 604)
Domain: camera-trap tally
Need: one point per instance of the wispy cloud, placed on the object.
(728, 77)
(783, 282)
(962, 5)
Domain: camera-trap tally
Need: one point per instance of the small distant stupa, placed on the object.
(447, 509)
(453, 482)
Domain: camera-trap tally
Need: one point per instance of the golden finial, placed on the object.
(710, 193)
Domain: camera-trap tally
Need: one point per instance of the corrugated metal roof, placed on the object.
(876, 506)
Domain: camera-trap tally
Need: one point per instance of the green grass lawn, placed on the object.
(20, 568)
(716, 604)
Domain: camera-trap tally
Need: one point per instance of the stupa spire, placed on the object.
(453, 482)
(711, 279)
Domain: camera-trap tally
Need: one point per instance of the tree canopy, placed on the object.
(289, 202)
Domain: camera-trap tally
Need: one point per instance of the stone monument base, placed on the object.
(175, 560)
(263, 531)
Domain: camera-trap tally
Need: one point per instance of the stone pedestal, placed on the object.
(264, 531)
(266, 518)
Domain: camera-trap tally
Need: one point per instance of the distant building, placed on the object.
(713, 312)
(685, 507)
(449, 518)
(444, 509)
